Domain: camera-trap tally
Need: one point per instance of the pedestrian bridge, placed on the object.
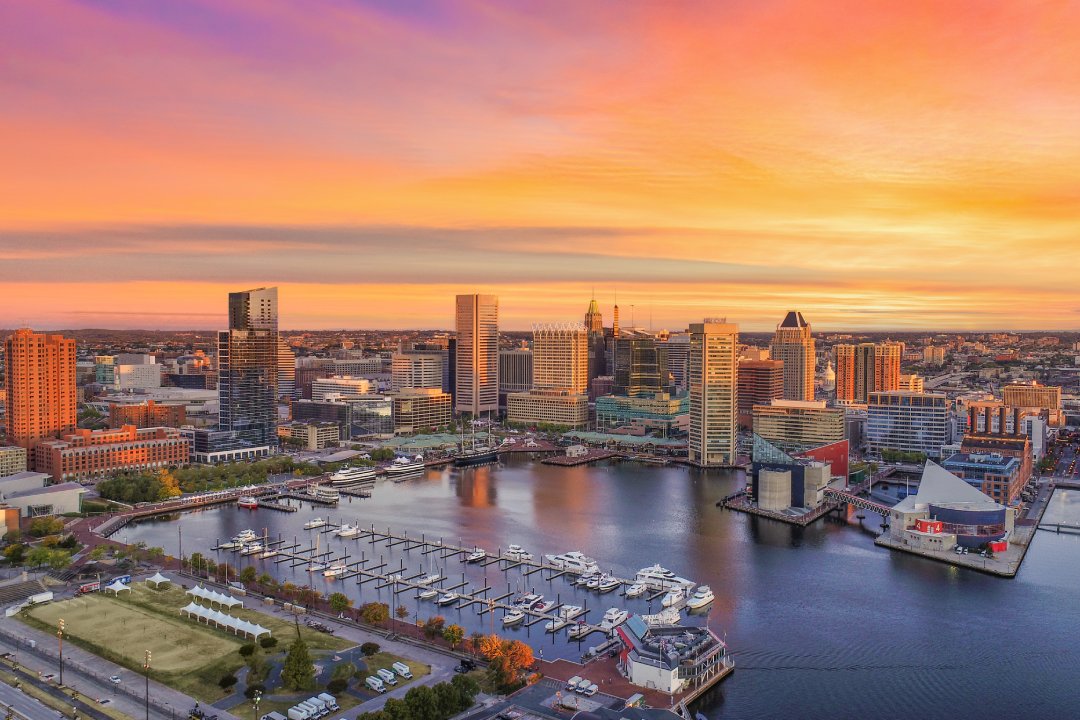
(846, 496)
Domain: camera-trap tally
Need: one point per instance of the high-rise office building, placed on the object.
(714, 392)
(417, 370)
(865, 368)
(476, 384)
(641, 366)
(678, 353)
(907, 422)
(795, 426)
(286, 370)
(594, 326)
(248, 368)
(560, 357)
(793, 344)
(594, 322)
(760, 382)
(40, 394)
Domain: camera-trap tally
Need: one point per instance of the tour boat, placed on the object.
(659, 578)
(314, 524)
(636, 590)
(323, 493)
(428, 594)
(476, 555)
(544, 606)
(447, 599)
(569, 612)
(573, 562)
(405, 466)
(701, 597)
(674, 597)
(348, 531)
(555, 624)
(516, 552)
(251, 548)
(668, 616)
(245, 536)
(513, 617)
(608, 583)
(247, 501)
(349, 476)
(335, 570)
(613, 618)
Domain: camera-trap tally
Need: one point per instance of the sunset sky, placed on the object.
(875, 164)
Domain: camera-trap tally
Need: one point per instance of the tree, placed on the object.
(422, 704)
(340, 602)
(248, 574)
(169, 485)
(15, 553)
(58, 559)
(369, 648)
(98, 552)
(433, 626)
(401, 612)
(374, 613)
(453, 634)
(490, 646)
(38, 556)
(299, 671)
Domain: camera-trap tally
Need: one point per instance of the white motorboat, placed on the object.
(593, 583)
(544, 606)
(570, 612)
(268, 553)
(251, 548)
(573, 562)
(348, 531)
(476, 555)
(659, 578)
(513, 617)
(316, 567)
(314, 524)
(578, 630)
(245, 536)
(674, 597)
(636, 590)
(350, 476)
(529, 601)
(404, 466)
(446, 599)
(608, 583)
(666, 617)
(429, 579)
(516, 552)
(556, 624)
(613, 618)
(584, 578)
(428, 594)
(335, 570)
(229, 545)
(701, 597)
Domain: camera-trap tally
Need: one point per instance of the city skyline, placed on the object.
(878, 166)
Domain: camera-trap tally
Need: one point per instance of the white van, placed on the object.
(313, 711)
(319, 705)
(330, 701)
(403, 670)
(388, 676)
(375, 684)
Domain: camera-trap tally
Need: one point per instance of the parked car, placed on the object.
(114, 679)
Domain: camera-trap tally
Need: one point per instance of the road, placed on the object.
(23, 705)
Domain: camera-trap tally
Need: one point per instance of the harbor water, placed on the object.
(820, 622)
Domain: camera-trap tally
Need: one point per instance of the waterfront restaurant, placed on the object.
(671, 659)
(946, 512)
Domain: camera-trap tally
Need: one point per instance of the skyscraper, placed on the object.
(248, 368)
(760, 382)
(594, 326)
(560, 357)
(594, 322)
(286, 374)
(865, 368)
(641, 366)
(714, 401)
(793, 344)
(40, 393)
(477, 365)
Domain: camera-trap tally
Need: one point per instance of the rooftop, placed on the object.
(940, 487)
(47, 490)
(794, 319)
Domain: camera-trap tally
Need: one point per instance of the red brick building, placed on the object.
(760, 382)
(40, 389)
(147, 414)
(93, 454)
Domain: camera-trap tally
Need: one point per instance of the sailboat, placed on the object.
(475, 454)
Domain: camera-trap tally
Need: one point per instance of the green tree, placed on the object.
(453, 634)
(422, 704)
(248, 574)
(98, 552)
(59, 559)
(38, 556)
(340, 602)
(374, 613)
(299, 671)
(15, 554)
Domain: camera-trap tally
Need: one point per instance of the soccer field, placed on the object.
(120, 627)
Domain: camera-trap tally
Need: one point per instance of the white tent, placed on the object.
(220, 619)
(157, 579)
(116, 586)
(215, 598)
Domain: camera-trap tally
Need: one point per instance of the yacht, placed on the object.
(335, 570)
(429, 579)
(570, 612)
(573, 562)
(316, 567)
(314, 524)
(668, 616)
(584, 578)
(446, 599)
(428, 594)
(247, 501)
(323, 493)
(245, 536)
(230, 545)
(545, 606)
(348, 531)
(513, 617)
(593, 583)
(579, 630)
(349, 476)
(608, 583)
(529, 601)
(251, 548)
(613, 618)
(556, 624)
(268, 553)
(516, 552)
(674, 597)
(701, 597)
(636, 590)
(404, 466)
(659, 578)
(476, 555)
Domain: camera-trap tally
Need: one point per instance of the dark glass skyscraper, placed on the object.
(248, 368)
(641, 366)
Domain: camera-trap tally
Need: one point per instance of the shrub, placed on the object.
(369, 648)
(247, 650)
(226, 681)
(268, 642)
(337, 686)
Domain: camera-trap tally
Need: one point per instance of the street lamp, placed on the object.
(60, 639)
(255, 702)
(146, 667)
